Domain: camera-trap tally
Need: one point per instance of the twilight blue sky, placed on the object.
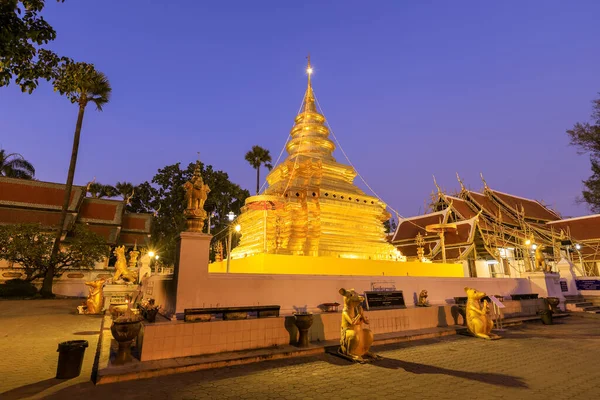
(411, 89)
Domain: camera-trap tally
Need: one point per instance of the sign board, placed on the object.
(497, 302)
(383, 286)
(384, 299)
(588, 284)
(563, 286)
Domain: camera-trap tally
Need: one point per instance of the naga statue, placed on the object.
(355, 340)
(121, 271)
(196, 193)
(479, 322)
(95, 298)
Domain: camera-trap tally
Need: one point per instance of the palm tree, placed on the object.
(98, 190)
(13, 165)
(82, 84)
(258, 157)
(125, 189)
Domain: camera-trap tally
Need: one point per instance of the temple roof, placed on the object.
(530, 208)
(36, 202)
(461, 207)
(580, 228)
(486, 204)
(408, 228)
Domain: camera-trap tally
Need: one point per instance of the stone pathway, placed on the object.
(533, 361)
(30, 331)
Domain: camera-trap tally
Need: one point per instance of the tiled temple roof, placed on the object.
(580, 228)
(408, 228)
(483, 202)
(28, 201)
(532, 209)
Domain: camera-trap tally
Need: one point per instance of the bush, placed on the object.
(17, 288)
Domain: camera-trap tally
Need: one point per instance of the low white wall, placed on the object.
(293, 292)
(71, 283)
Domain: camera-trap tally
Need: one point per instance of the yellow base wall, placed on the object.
(306, 265)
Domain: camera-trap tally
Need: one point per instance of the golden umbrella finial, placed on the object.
(309, 99)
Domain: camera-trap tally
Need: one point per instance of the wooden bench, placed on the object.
(526, 296)
(229, 313)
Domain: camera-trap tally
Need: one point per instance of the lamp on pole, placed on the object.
(230, 216)
(578, 249)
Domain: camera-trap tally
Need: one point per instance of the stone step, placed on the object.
(574, 301)
(593, 308)
(577, 296)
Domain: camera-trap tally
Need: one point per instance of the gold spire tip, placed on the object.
(309, 69)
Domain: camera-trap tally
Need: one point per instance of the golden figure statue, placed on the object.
(423, 299)
(133, 256)
(479, 322)
(355, 340)
(219, 251)
(95, 298)
(540, 261)
(196, 193)
(121, 271)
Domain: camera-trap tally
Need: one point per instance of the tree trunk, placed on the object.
(257, 179)
(46, 290)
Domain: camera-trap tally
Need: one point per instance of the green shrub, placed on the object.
(17, 288)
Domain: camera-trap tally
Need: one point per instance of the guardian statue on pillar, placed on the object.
(196, 193)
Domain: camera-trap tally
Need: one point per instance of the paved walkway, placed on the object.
(30, 331)
(533, 361)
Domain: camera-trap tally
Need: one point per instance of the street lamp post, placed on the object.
(151, 254)
(230, 217)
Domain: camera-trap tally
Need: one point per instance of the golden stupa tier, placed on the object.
(312, 207)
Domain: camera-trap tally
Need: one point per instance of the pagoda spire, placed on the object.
(309, 97)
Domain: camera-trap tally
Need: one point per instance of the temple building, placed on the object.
(311, 206)
(29, 201)
(495, 234)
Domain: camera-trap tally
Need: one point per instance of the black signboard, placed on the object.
(563, 286)
(588, 284)
(385, 299)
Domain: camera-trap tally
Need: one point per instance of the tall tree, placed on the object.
(586, 137)
(23, 33)
(13, 165)
(257, 157)
(81, 84)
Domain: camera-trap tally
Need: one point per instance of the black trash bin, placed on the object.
(70, 358)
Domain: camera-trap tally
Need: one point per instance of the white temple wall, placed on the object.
(307, 292)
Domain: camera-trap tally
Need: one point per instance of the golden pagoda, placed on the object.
(311, 206)
(312, 219)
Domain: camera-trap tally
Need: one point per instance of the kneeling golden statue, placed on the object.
(479, 322)
(95, 298)
(423, 302)
(355, 340)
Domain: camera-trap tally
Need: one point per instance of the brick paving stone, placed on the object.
(532, 361)
(30, 331)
